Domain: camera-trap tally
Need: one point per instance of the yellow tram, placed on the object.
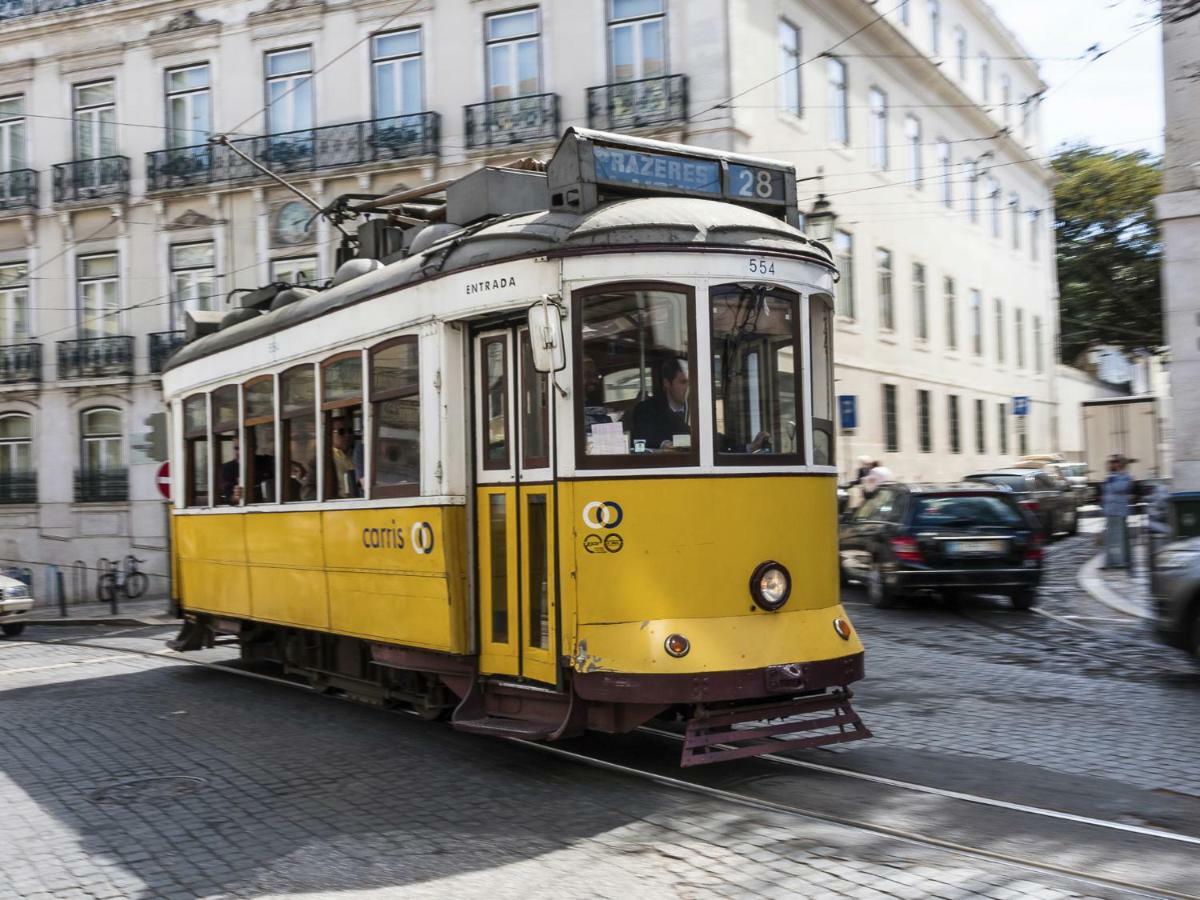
(553, 452)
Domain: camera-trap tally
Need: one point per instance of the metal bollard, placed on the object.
(62, 592)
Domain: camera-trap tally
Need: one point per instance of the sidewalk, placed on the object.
(129, 612)
(1125, 590)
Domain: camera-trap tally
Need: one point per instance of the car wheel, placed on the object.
(13, 629)
(1024, 599)
(878, 593)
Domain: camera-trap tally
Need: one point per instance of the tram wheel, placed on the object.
(878, 593)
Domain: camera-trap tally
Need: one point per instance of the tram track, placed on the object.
(691, 782)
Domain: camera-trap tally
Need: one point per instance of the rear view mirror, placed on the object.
(546, 337)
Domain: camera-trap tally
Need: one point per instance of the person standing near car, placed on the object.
(1117, 489)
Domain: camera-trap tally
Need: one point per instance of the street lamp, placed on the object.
(819, 223)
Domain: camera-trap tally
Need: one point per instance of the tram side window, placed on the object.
(396, 419)
(298, 414)
(226, 452)
(259, 400)
(195, 450)
(755, 370)
(633, 373)
(342, 419)
(820, 335)
(535, 410)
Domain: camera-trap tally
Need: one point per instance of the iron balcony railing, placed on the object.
(18, 189)
(638, 104)
(331, 146)
(20, 362)
(15, 9)
(162, 345)
(101, 485)
(18, 487)
(520, 120)
(91, 179)
(101, 357)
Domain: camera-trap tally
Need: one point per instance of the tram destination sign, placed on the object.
(683, 175)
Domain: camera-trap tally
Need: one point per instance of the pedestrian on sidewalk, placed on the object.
(1117, 489)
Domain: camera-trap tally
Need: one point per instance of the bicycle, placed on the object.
(125, 577)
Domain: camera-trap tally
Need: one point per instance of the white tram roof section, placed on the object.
(638, 224)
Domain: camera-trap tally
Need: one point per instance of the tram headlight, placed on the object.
(770, 585)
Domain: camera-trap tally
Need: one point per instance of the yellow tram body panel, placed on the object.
(396, 575)
(655, 556)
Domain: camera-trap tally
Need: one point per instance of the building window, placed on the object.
(637, 39)
(953, 422)
(839, 112)
(879, 127)
(95, 120)
(290, 99)
(976, 323)
(985, 77)
(396, 418)
(101, 434)
(192, 281)
(891, 420)
(16, 455)
(960, 51)
(99, 298)
(1019, 336)
(912, 133)
(925, 420)
(843, 250)
(514, 64)
(1014, 212)
(1039, 365)
(935, 27)
(12, 141)
(1002, 427)
(887, 312)
(1035, 216)
(920, 302)
(998, 308)
(972, 190)
(195, 450)
(298, 418)
(1006, 98)
(342, 420)
(396, 76)
(296, 270)
(790, 72)
(943, 159)
(993, 192)
(14, 303)
(951, 313)
(189, 109)
(980, 428)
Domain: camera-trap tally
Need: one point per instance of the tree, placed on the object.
(1108, 249)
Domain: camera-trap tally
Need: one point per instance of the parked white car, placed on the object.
(15, 603)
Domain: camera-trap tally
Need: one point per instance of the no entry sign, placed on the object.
(162, 479)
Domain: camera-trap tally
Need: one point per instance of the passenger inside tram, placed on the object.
(346, 454)
(660, 422)
(263, 475)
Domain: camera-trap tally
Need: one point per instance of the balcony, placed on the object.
(638, 104)
(20, 362)
(92, 179)
(18, 189)
(162, 345)
(15, 9)
(500, 123)
(102, 486)
(103, 357)
(18, 487)
(332, 146)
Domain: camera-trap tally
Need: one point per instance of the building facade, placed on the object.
(117, 215)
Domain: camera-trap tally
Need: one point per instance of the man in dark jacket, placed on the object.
(659, 419)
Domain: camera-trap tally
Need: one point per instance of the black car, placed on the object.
(1052, 502)
(943, 538)
(1176, 586)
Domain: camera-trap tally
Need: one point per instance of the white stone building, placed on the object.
(116, 216)
(1179, 213)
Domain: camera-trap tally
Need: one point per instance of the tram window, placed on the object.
(756, 384)
(298, 412)
(498, 539)
(820, 333)
(228, 480)
(341, 405)
(539, 576)
(195, 450)
(633, 376)
(493, 368)
(258, 398)
(396, 419)
(535, 411)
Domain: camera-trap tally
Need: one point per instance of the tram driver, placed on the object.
(660, 421)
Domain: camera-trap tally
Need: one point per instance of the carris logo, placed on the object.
(422, 537)
(602, 514)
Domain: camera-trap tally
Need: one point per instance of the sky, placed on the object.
(1115, 101)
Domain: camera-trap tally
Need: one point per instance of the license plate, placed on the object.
(975, 548)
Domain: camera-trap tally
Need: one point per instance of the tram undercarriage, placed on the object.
(723, 716)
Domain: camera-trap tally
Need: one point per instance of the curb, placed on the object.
(1090, 579)
(102, 620)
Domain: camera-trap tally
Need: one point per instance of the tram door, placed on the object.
(514, 509)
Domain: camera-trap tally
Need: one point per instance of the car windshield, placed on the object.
(965, 510)
(1012, 482)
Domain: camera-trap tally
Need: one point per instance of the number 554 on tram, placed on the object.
(554, 452)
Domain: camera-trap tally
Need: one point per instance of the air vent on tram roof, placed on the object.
(293, 294)
(491, 192)
(237, 316)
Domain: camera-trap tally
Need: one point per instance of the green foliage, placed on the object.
(1108, 249)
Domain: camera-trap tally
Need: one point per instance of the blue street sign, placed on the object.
(848, 411)
(1020, 406)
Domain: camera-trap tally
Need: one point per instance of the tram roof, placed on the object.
(670, 223)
